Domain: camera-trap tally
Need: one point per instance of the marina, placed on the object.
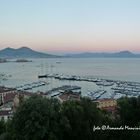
(117, 88)
(91, 75)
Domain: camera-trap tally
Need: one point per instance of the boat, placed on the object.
(93, 95)
(104, 83)
(42, 76)
(58, 62)
(31, 85)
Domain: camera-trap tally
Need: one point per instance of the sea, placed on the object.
(20, 73)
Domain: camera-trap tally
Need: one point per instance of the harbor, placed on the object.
(91, 75)
(64, 80)
(105, 88)
(88, 86)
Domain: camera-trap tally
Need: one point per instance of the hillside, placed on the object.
(122, 54)
(23, 52)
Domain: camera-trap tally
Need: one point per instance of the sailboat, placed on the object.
(42, 75)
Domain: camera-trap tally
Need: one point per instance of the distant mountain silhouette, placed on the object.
(122, 54)
(23, 52)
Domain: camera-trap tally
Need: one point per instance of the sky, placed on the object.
(71, 25)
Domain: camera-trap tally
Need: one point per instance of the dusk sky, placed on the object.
(70, 25)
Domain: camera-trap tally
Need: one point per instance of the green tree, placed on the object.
(129, 110)
(37, 118)
(82, 116)
(2, 126)
(129, 114)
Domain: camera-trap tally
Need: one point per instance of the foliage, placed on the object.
(2, 126)
(38, 118)
(129, 110)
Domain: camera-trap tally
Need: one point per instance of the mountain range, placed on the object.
(25, 52)
(121, 54)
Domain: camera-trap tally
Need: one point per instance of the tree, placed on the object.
(37, 118)
(129, 110)
(2, 126)
(82, 116)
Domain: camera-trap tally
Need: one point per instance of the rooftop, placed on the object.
(69, 96)
(105, 100)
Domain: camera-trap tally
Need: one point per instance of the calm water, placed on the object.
(108, 68)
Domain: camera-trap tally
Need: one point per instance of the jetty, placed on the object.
(99, 82)
(31, 85)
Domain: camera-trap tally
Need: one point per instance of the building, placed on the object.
(9, 101)
(68, 96)
(106, 104)
(5, 114)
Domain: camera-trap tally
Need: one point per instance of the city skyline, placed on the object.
(71, 26)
